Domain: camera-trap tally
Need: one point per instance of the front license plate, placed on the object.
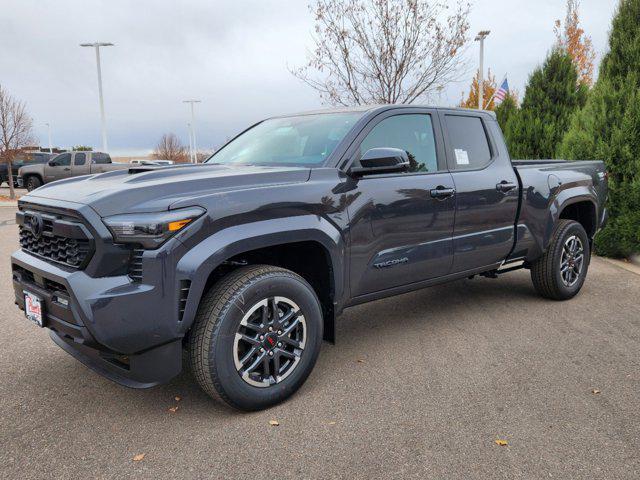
(33, 308)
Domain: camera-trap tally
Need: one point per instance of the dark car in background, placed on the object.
(23, 159)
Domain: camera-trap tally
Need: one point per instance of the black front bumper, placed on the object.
(116, 327)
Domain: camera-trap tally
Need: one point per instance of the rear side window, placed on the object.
(100, 158)
(468, 141)
(80, 159)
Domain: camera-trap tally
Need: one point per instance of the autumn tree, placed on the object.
(15, 131)
(488, 89)
(573, 40)
(384, 51)
(608, 128)
(170, 148)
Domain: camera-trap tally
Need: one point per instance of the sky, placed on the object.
(233, 55)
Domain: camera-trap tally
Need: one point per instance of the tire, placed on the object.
(32, 183)
(547, 272)
(215, 347)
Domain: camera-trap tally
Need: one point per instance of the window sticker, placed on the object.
(461, 157)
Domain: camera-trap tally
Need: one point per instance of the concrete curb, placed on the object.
(628, 266)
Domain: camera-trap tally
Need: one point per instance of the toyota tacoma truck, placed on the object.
(238, 267)
(65, 165)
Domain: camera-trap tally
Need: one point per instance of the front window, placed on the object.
(301, 141)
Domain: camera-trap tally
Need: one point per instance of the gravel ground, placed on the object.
(418, 386)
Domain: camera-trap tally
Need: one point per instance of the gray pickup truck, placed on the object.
(244, 262)
(65, 165)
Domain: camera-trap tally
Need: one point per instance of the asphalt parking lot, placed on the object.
(418, 386)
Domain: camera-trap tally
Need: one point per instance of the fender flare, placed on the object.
(563, 199)
(201, 260)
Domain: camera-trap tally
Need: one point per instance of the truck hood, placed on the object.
(152, 189)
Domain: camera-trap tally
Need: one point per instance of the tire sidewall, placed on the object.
(33, 183)
(234, 388)
(573, 229)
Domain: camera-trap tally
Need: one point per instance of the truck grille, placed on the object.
(55, 237)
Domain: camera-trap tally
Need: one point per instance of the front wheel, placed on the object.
(256, 337)
(33, 183)
(560, 273)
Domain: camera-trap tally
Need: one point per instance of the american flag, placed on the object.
(503, 91)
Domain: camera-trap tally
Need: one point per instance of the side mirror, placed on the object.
(382, 160)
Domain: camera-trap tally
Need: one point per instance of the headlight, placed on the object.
(150, 229)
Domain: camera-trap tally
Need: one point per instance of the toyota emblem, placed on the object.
(35, 225)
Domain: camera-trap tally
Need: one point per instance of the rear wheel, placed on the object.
(32, 183)
(256, 337)
(560, 273)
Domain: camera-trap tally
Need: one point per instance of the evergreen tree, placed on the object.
(551, 97)
(608, 128)
(505, 112)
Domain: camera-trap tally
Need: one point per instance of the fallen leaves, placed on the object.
(331, 423)
(274, 423)
(177, 398)
(139, 457)
(595, 391)
(360, 360)
(502, 443)
(173, 409)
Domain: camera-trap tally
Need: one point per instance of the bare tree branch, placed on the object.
(16, 131)
(170, 148)
(384, 51)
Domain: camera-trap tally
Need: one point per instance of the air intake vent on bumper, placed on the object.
(185, 285)
(135, 264)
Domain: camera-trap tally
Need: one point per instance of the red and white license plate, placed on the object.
(33, 308)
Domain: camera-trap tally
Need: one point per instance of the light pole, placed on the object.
(190, 142)
(480, 38)
(97, 46)
(49, 134)
(193, 129)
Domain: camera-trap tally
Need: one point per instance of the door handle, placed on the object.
(441, 192)
(67, 169)
(505, 186)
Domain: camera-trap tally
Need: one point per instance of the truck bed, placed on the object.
(544, 184)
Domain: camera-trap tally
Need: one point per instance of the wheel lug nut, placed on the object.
(271, 329)
(261, 350)
(271, 354)
(261, 337)
(279, 344)
(279, 332)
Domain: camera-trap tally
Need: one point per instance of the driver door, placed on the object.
(59, 167)
(401, 227)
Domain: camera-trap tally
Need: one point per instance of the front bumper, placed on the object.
(126, 331)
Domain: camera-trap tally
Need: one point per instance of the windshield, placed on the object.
(302, 141)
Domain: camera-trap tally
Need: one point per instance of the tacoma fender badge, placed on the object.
(391, 263)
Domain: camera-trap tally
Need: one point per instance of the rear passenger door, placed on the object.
(486, 190)
(80, 164)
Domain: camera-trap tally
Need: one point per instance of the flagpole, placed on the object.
(494, 92)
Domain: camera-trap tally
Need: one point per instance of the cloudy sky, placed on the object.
(231, 54)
